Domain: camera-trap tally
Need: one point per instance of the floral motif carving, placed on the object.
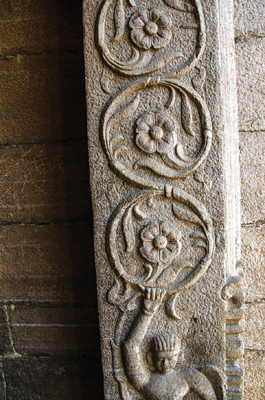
(156, 258)
(155, 132)
(160, 242)
(150, 31)
(150, 28)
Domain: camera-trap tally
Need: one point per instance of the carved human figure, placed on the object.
(169, 381)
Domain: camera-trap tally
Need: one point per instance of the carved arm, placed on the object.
(136, 371)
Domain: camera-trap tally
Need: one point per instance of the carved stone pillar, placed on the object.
(163, 156)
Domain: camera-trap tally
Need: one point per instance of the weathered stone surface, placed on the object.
(254, 375)
(53, 378)
(153, 119)
(40, 26)
(44, 183)
(254, 326)
(253, 242)
(66, 331)
(48, 264)
(249, 19)
(251, 84)
(42, 98)
(252, 168)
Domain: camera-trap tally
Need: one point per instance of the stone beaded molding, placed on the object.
(166, 267)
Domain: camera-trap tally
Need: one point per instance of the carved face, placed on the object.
(164, 363)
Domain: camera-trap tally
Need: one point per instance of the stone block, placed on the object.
(249, 19)
(163, 148)
(40, 26)
(254, 375)
(51, 264)
(42, 98)
(53, 378)
(44, 183)
(53, 331)
(254, 326)
(251, 84)
(253, 243)
(252, 172)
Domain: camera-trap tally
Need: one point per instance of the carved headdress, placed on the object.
(166, 343)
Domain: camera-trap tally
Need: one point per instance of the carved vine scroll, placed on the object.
(150, 30)
(160, 242)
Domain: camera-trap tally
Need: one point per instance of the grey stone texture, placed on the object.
(250, 44)
(162, 146)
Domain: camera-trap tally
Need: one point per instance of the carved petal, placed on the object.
(163, 20)
(165, 121)
(139, 19)
(162, 38)
(137, 35)
(149, 252)
(145, 42)
(147, 146)
(155, 14)
(166, 143)
(166, 228)
(150, 232)
(166, 255)
(147, 118)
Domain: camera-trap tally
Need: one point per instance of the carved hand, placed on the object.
(153, 297)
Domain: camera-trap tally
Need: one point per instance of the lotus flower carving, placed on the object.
(155, 132)
(150, 28)
(160, 242)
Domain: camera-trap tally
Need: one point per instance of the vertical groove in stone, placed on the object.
(230, 135)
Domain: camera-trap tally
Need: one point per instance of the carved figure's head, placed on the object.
(166, 349)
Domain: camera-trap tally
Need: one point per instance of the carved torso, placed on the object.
(166, 387)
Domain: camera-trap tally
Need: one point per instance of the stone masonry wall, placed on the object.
(250, 48)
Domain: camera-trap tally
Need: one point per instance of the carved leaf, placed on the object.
(181, 154)
(115, 295)
(132, 3)
(171, 99)
(104, 82)
(170, 273)
(170, 307)
(130, 304)
(185, 215)
(179, 5)
(199, 243)
(119, 20)
(197, 235)
(124, 112)
(140, 215)
(128, 231)
(186, 114)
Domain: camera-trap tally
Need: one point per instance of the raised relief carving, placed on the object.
(162, 146)
(169, 380)
(145, 36)
(234, 294)
(164, 376)
(160, 242)
(159, 250)
(150, 28)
